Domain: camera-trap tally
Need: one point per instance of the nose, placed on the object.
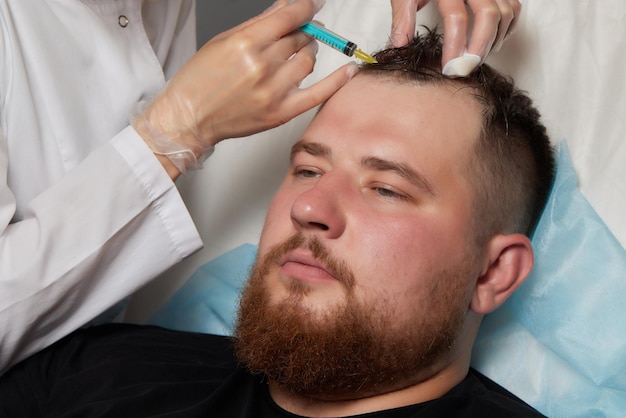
(321, 209)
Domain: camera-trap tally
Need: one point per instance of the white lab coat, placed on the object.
(87, 214)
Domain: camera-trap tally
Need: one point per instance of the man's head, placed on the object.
(379, 255)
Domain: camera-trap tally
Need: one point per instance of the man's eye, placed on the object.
(389, 194)
(306, 172)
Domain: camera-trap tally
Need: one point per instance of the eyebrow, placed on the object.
(314, 148)
(403, 170)
(375, 163)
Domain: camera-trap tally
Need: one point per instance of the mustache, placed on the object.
(336, 266)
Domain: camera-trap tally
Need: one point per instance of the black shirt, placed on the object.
(138, 371)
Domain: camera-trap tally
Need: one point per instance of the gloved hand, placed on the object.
(494, 20)
(242, 81)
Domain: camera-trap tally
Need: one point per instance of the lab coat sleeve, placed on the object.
(105, 229)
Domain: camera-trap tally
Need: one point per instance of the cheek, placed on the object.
(389, 257)
(404, 244)
(401, 258)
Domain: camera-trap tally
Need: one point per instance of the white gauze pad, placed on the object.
(461, 66)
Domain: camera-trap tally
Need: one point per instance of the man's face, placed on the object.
(375, 211)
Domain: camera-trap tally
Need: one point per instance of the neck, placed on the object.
(432, 387)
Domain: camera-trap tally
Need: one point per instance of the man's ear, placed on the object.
(509, 262)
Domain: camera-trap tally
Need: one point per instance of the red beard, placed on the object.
(353, 351)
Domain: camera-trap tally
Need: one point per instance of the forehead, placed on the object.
(420, 119)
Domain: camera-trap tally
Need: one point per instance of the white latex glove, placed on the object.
(494, 20)
(241, 82)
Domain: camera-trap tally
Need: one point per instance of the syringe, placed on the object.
(332, 39)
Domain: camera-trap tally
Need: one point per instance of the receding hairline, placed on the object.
(456, 85)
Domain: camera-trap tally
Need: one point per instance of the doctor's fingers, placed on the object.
(290, 75)
(507, 15)
(288, 45)
(493, 21)
(403, 17)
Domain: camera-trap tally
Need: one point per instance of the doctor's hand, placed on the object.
(493, 21)
(241, 82)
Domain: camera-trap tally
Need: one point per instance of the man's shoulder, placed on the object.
(125, 368)
(133, 350)
(131, 340)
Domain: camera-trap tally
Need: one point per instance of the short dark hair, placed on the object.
(512, 168)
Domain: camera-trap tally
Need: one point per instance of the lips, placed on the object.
(300, 264)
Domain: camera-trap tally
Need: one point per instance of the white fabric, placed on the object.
(87, 214)
(568, 55)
